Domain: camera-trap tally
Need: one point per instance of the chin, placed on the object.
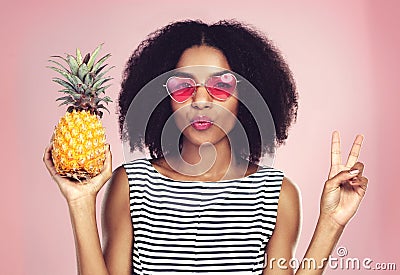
(211, 135)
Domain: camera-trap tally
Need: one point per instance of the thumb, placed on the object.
(106, 172)
(343, 176)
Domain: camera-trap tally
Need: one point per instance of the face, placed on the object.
(203, 118)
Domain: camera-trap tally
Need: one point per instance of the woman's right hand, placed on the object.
(71, 190)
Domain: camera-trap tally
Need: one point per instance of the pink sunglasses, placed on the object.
(220, 87)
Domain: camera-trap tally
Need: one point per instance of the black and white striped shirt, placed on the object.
(187, 227)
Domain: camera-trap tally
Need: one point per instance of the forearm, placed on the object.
(89, 255)
(325, 237)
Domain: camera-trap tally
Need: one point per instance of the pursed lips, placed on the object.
(201, 122)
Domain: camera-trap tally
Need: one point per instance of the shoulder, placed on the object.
(117, 232)
(119, 177)
(289, 204)
(119, 173)
(117, 189)
(288, 222)
(289, 207)
(290, 192)
(115, 208)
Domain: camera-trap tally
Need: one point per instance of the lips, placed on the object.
(201, 123)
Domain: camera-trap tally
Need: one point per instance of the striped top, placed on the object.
(187, 227)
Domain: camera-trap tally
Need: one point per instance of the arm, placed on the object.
(341, 197)
(282, 243)
(81, 201)
(281, 247)
(116, 225)
(87, 244)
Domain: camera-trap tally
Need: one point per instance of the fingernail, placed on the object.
(354, 172)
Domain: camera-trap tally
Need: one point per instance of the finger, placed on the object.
(48, 161)
(355, 151)
(108, 160)
(359, 181)
(107, 167)
(336, 158)
(360, 185)
(358, 166)
(343, 176)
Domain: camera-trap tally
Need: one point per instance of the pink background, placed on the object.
(344, 55)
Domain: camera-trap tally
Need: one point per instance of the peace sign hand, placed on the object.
(345, 187)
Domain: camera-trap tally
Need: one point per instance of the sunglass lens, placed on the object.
(219, 93)
(223, 86)
(180, 88)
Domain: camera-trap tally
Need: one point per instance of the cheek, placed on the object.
(228, 116)
(180, 115)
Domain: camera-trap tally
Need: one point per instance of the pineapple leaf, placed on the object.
(64, 98)
(69, 92)
(88, 79)
(101, 106)
(59, 64)
(64, 83)
(76, 97)
(65, 103)
(98, 76)
(73, 96)
(106, 99)
(99, 69)
(74, 81)
(83, 71)
(88, 91)
(100, 82)
(93, 57)
(86, 58)
(102, 89)
(58, 56)
(68, 76)
(78, 56)
(101, 61)
(77, 82)
(58, 70)
(73, 64)
(82, 88)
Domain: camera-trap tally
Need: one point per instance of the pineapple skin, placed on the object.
(79, 145)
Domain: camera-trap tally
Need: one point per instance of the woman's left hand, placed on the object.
(346, 186)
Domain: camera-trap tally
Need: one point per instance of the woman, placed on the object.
(229, 46)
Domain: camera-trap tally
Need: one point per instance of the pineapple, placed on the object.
(79, 138)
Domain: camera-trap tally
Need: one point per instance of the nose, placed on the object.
(201, 99)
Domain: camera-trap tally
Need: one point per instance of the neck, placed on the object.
(208, 161)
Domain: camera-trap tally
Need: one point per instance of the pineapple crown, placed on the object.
(83, 81)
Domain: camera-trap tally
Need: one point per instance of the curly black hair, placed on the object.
(249, 53)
